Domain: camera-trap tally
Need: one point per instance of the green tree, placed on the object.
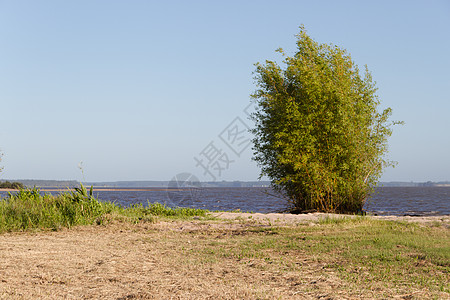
(11, 185)
(318, 133)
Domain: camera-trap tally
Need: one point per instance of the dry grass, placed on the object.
(204, 259)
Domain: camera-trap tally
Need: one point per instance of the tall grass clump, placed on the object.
(29, 209)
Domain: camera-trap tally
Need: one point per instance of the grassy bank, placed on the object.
(172, 253)
(27, 209)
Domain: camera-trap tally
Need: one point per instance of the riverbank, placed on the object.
(231, 256)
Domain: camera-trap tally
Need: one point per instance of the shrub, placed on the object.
(319, 135)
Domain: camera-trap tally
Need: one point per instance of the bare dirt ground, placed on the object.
(125, 262)
(154, 261)
(289, 219)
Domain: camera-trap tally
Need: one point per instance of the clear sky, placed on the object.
(144, 90)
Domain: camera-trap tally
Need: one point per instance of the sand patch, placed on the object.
(289, 219)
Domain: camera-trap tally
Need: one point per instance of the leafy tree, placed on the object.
(318, 133)
(11, 185)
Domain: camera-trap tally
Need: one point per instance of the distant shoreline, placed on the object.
(107, 189)
(139, 184)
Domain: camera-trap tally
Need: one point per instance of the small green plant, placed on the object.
(158, 209)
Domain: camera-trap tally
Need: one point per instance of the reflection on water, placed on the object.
(385, 201)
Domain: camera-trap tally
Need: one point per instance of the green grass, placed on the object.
(363, 252)
(29, 210)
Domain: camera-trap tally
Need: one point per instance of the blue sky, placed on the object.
(138, 89)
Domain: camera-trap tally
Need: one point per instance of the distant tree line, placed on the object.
(11, 185)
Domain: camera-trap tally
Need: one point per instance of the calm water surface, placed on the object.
(385, 201)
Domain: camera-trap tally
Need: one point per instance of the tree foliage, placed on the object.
(319, 135)
(11, 185)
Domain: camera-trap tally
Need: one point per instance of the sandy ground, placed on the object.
(289, 219)
(136, 261)
(131, 261)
